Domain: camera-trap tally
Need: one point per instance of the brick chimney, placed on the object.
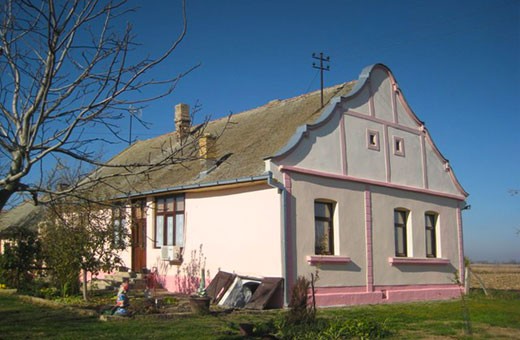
(207, 147)
(208, 151)
(182, 120)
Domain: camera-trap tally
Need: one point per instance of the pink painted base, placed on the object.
(341, 296)
(181, 284)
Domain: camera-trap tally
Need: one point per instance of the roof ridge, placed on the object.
(274, 102)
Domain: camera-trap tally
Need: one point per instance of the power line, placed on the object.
(322, 68)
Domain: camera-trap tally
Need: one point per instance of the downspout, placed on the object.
(283, 191)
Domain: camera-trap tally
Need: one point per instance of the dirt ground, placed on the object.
(496, 276)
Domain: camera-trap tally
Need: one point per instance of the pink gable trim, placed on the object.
(328, 259)
(417, 261)
(344, 164)
(284, 168)
(368, 236)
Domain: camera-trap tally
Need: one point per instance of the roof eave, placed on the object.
(188, 187)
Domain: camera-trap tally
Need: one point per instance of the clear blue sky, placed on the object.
(457, 63)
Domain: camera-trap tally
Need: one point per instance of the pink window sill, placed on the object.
(420, 261)
(328, 259)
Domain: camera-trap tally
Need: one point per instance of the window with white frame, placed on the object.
(119, 225)
(169, 221)
(400, 231)
(324, 227)
(431, 238)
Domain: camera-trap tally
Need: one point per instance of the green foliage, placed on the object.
(21, 259)
(49, 292)
(300, 322)
(334, 329)
(170, 301)
(79, 236)
(300, 312)
(362, 329)
(285, 329)
(464, 306)
(59, 249)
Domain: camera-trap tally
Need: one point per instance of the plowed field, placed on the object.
(496, 276)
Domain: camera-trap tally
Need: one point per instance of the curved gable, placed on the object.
(372, 135)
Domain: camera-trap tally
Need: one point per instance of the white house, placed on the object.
(356, 189)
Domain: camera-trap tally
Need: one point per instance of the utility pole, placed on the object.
(322, 68)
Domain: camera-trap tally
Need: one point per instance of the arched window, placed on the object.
(430, 223)
(323, 227)
(400, 231)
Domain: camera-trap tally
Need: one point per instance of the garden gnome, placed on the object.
(122, 302)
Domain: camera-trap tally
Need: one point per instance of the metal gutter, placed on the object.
(281, 189)
(199, 185)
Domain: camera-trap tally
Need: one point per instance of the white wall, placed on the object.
(239, 230)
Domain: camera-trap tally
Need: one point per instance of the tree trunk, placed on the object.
(85, 295)
(12, 186)
(5, 194)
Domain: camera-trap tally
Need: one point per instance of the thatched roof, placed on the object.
(24, 216)
(245, 140)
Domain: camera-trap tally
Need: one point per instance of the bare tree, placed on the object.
(65, 69)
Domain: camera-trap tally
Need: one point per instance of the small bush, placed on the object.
(284, 329)
(49, 292)
(333, 329)
(299, 310)
(365, 329)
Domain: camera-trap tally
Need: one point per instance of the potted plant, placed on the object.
(199, 302)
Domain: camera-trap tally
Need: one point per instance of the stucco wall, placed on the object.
(384, 201)
(367, 182)
(362, 161)
(239, 229)
(406, 169)
(350, 233)
(236, 230)
(349, 229)
(378, 107)
(319, 148)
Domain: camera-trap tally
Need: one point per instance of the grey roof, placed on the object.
(245, 140)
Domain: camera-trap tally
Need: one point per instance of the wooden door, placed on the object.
(138, 235)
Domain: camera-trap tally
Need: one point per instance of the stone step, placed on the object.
(100, 284)
(138, 284)
(119, 276)
(137, 281)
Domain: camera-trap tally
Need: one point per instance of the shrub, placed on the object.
(299, 310)
(333, 329)
(20, 260)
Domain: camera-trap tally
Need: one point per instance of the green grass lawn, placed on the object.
(493, 317)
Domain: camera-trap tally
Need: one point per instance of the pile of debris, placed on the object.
(237, 291)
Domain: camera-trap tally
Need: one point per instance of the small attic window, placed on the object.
(398, 146)
(373, 140)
